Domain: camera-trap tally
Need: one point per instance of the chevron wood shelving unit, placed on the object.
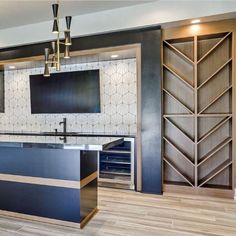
(198, 112)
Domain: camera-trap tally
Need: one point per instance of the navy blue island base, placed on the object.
(44, 179)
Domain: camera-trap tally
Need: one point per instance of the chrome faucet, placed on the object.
(64, 125)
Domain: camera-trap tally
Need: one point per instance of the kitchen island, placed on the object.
(50, 179)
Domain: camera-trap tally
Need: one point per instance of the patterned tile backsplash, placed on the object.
(118, 101)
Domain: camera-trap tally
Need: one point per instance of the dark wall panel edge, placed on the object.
(151, 112)
(150, 40)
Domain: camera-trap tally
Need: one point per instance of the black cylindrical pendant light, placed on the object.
(46, 54)
(53, 65)
(46, 71)
(55, 10)
(46, 58)
(55, 28)
(67, 38)
(53, 47)
(68, 22)
(67, 52)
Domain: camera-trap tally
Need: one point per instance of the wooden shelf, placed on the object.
(177, 171)
(186, 135)
(177, 100)
(214, 150)
(213, 48)
(178, 115)
(184, 155)
(115, 172)
(178, 76)
(115, 181)
(215, 73)
(215, 99)
(198, 85)
(215, 115)
(116, 151)
(214, 129)
(179, 53)
(215, 172)
(116, 162)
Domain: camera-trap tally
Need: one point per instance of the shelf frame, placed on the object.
(178, 115)
(216, 149)
(178, 76)
(214, 47)
(179, 52)
(196, 112)
(216, 98)
(215, 73)
(179, 172)
(179, 151)
(215, 128)
(174, 125)
(215, 172)
(177, 100)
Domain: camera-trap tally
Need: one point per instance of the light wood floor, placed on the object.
(135, 214)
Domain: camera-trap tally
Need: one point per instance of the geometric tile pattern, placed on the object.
(118, 101)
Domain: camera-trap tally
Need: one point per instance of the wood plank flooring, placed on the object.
(127, 213)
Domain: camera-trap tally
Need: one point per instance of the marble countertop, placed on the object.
(59, 142)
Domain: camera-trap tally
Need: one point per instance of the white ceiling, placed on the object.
(22, 12)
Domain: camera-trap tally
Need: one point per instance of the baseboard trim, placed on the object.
(49, 220)
(210, 192)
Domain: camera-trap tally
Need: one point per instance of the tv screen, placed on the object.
(67, 92)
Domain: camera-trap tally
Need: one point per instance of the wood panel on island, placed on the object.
(197, 113)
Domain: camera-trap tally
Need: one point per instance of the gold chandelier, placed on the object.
(52, 60)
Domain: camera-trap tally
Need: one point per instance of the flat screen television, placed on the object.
(67, 92)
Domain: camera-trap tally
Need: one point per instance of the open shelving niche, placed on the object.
(197, 111)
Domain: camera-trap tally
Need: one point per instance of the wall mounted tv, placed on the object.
(67, 92)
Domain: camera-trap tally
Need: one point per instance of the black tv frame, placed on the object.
(66, 92)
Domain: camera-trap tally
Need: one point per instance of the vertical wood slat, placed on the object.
(195, 110)
(233, 104)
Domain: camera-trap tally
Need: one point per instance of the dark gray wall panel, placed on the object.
(151, 113)
(149, 38)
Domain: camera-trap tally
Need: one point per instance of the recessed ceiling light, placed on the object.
(196, 21)
(114, 56)
(12, 67)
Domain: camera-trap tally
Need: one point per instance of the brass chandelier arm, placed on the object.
(56, 50)
(48, 62)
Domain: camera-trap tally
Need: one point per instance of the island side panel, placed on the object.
(88, 191)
